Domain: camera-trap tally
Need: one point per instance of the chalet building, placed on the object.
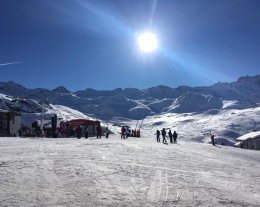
(250, 140)
(10, 123)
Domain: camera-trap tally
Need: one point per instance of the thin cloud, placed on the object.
(11, 63)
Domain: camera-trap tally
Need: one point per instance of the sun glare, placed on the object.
(147, 42)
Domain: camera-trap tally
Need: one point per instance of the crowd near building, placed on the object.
(11, 126)
(69, 128)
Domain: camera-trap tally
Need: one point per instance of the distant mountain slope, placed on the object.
(137, 104)
(225, 124)
(31, 110)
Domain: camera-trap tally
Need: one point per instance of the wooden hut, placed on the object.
(250, 140)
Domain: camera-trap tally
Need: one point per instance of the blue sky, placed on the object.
(92, 43)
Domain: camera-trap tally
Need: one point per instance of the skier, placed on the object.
(175, 135)
(170, 135)
(86, 132)
(107, 132)
(99, 131)
(164, 135)
(78, 132)
(158, 135)
(213, 139)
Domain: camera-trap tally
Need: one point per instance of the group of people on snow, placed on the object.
(127, 132)
(172, 136)
(79, 132)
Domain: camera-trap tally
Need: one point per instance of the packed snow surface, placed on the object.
(131, 172)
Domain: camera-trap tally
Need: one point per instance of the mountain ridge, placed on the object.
(138, 103)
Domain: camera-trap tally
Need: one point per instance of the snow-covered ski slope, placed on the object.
(227, 123)
(132, 172)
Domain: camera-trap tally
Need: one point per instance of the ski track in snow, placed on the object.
(132, 172)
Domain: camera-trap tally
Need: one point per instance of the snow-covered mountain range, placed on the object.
(137, 104)
(225, 109)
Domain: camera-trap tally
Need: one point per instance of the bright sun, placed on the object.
(147, 42)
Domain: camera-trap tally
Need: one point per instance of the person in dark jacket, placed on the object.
(79, 132)
(213, 139)
(170, 136)
(99, 131)
(158, 136)
(86, 132)
(20, 133)
(175, 135)
(107, 132)
(164, 136)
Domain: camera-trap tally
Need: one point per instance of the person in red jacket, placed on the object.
(123, 133)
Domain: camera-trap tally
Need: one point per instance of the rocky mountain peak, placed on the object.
(60, 89)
